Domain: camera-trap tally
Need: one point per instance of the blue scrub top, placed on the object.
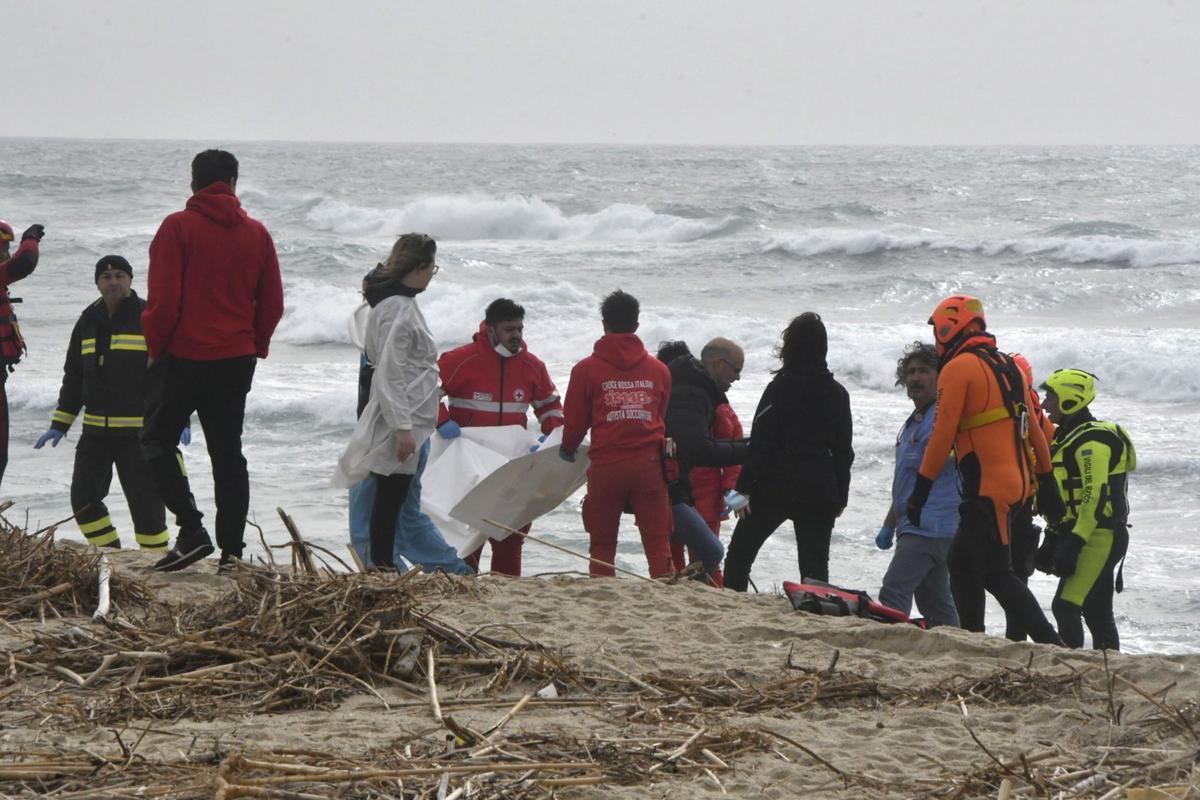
(939, 519)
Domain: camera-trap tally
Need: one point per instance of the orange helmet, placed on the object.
(952, 316)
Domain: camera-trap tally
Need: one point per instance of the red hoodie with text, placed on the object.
(620, 392)
(214, 286)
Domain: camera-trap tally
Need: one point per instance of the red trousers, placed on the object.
(639, 482)
(506, 554)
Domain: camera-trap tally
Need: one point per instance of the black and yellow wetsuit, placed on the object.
(1092, 461)
(104, 375)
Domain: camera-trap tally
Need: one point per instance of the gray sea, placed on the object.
(1084, 257)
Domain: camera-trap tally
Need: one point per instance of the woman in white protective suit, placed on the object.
(402, 410)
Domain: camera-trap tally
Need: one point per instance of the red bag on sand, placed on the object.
(816, 597)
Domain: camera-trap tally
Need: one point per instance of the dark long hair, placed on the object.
(804, 345)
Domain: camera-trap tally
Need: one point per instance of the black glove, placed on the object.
(35, 232)
(916, 500)
(1049, 501)
(1044, 560)
(1066, 557)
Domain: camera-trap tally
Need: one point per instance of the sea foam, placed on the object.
(472, 217)
(1121, 251)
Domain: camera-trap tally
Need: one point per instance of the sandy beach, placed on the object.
(258, 683)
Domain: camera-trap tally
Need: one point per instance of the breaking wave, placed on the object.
(1090, 248)
(473, 217)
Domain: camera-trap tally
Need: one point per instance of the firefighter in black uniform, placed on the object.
(104, 375)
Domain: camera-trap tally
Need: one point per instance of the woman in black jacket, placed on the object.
(800, 456)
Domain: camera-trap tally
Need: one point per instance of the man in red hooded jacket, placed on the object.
(215, 297)
(620, 392)
(493, 381)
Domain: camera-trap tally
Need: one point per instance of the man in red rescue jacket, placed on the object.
(493, 381)
(12, 346)
(620, 392)
(215, 297)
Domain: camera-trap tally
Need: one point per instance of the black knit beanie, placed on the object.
(113, 262)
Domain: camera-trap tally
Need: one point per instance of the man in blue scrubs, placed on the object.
(918, 567)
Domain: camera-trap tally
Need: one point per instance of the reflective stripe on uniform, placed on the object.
(539, 403)
(179, 458)
(983, 418)
(87, 347)
(512, 407)
(100, 533)
(153, 541)
(128, 341)
(100, 421)
(554, 412)
(63, 417)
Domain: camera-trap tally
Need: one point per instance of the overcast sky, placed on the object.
(675, 71)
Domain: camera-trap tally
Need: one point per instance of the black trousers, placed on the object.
(1023, 544)
(979, 561)
(3, 421)
(1097, 608)
(216, 392)
(95, 456)
(813, 524)
(390, 493)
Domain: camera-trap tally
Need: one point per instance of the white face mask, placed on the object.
(504, 351)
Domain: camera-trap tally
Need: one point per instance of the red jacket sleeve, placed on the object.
(268, 306)
(164, 284)
(577, 411)
(20, 264)
(728, 426)
(547, 406)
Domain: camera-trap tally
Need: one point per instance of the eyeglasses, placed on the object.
(737, 371)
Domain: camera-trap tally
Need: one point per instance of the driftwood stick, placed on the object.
(46, 594)
(104, 603)
(532, 538)
(350, 776)
(199, 674)
(358, 562)
(516, 709)
(301, 547)
(433, 694)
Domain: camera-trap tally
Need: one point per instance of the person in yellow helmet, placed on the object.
(1092, 461)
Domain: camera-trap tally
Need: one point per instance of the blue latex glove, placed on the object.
(735, 500)
(52, 436)
(541, 439)
(450, 429)
(185, 438)
(565, 456)
(883, 539)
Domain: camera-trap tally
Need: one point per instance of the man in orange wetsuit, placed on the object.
(983, 411)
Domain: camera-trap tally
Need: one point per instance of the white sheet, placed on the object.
(490, 473)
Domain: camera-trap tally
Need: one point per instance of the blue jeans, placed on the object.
(919, 568)
(417, 539)
(693, 531)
